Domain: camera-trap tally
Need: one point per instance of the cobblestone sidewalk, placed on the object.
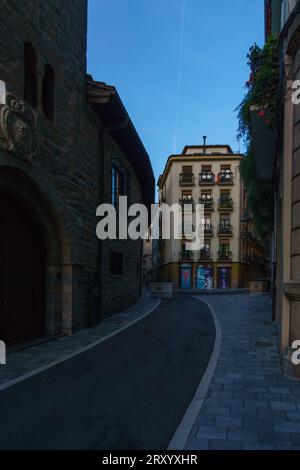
(25, 361)
(250, 404)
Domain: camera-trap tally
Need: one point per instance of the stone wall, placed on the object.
(70, 172)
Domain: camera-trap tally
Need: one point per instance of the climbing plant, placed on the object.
(261, 92)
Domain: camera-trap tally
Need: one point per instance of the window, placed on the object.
(116, 263)
(30, 74)
(187, 174)
(187, 196)
(225, 221)
(48, 92)
(119, 182)
(225, 248)
(205, 251)
(225, 196)
(206, 196)
(206, 168)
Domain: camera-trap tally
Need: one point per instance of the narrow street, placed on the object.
(130, 392)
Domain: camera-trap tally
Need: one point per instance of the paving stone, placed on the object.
(255, 395)
(257, 404)
(243, 412)
(283, 405)
(206, 420)
(257, 446)
(216, 411)
(267, 437)
(293, 415)
(242, 435)
(221, 395)
(229, 422)
(207, 432)
(258, 423)
(280, 390)
(224, 445)
(197, 444)
(287, 426)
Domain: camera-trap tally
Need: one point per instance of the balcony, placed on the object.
(187, 179)
(205, 256)
(208, 230)
(225, 178)
(225, 230)
(208, 204)
(206, 179)
(225, 204)
(225, 256)
(186, 256)
(187, 202)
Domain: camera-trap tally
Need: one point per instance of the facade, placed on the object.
(283, 20)
(67, 145)
(254, 252)
(147, 261)
(207, 175)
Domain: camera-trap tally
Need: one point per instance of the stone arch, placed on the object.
(46, 208)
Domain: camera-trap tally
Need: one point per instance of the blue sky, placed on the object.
(135, 45)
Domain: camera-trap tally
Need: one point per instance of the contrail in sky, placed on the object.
(179, 73)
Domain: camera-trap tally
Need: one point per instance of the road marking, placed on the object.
(183, 431)
(27, 375)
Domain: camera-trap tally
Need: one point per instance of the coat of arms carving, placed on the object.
(18, 133)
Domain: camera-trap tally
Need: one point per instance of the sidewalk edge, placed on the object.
(27, 375)
(183, 431)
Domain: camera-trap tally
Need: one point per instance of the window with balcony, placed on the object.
(187, 177)
(225, 175)
(207, 200)
(225, 226)
(186, 199)
(224, 251)
(206, 176)
(205, 252)
(225, 201)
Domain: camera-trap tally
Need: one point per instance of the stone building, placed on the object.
(67, 144)
(283, 166)
(208, 175)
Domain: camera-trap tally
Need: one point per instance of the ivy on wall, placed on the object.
(262, 93)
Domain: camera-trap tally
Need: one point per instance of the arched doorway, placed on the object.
(22, 273)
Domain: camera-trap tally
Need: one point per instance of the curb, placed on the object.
(183, 431)
(27, 375)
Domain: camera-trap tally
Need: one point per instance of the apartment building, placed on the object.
(208, 175)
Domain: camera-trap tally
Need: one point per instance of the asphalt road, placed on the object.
(130, 392)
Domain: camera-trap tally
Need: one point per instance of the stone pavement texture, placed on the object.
(24, 361)
(250, 403)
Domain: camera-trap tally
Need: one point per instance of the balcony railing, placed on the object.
(208, 230)
(224, 256)
(187, 179)
(208, 204)
(225, 204)
(206, 178)
(225, 229)
(186, 256)
(225, 177)
(187, 202)
(205, 256)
